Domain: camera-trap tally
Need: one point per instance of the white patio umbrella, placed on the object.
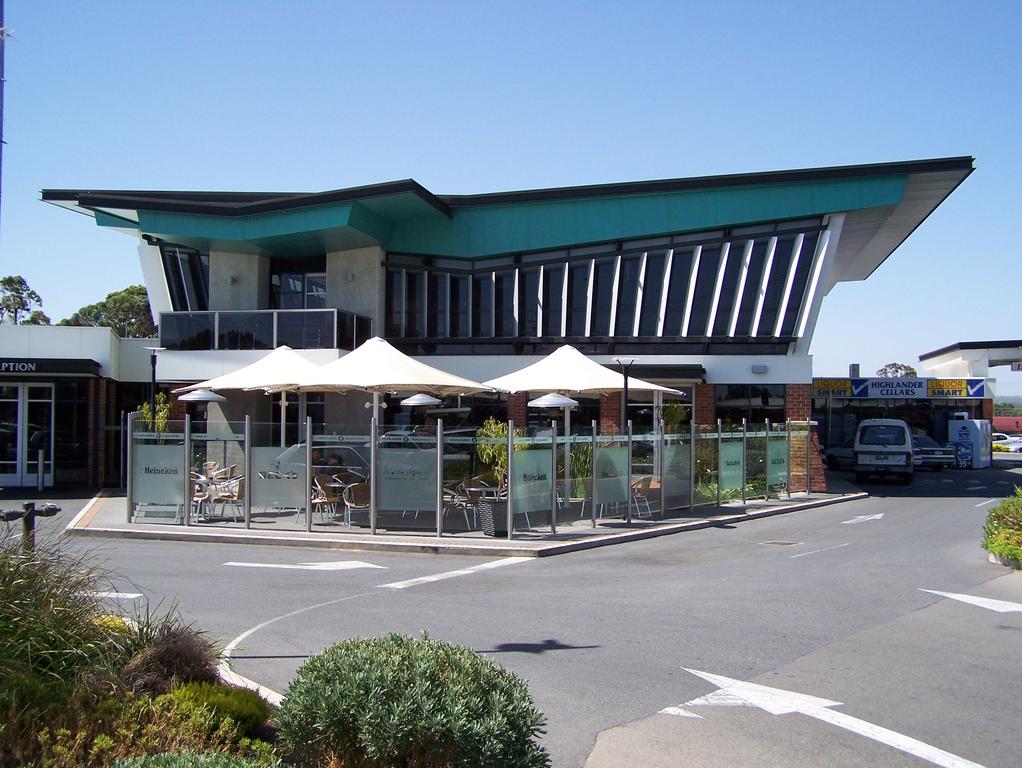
(568, 371)
(272, 372)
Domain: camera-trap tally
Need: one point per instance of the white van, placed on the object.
(883, 447)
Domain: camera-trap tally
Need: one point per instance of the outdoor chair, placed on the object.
(356, 499)
(209, 467)
(231, 493)
(325, 497)
(640, 493)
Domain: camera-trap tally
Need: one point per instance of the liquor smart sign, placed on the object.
(900, 388)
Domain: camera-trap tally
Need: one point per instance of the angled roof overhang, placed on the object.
(883, 203)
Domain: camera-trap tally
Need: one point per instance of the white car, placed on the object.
(1013, 444)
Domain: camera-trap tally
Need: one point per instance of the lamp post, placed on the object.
(152, 383)
(625, 363)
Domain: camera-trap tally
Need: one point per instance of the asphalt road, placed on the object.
(806, 602)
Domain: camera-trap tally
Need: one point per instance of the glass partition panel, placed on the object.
(340, 473)
(217, 464)
(731, 464)
(475, 467)
(532, 480)
(159, 473)
(610, 486)
(777, 460)
(706, 464)
(677, 473)
(576, 473)
(645, 474)
(308, 329)
(406, 475)
(245, 330)
(756, 460)
(280, 495)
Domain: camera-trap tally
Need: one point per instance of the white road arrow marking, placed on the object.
(460, 572)
(1001, 606)
(776, 701)
(117, 595)
(984, 503)
(340, 565)
(862, 519)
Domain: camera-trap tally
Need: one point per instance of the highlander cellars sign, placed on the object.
(900, 388)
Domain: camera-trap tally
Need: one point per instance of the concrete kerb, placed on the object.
(450, 547)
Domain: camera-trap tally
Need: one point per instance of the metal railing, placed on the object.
(264, 329)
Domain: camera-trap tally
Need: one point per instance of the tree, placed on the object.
(896, 371)
(126, 312)
(17, 301)
(38, 317)
(1007, 409)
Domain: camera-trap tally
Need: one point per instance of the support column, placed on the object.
(704, 404)
(610, 414)
(517, 408)
(798, 406)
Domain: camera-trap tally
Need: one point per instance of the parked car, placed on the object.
(883, 447)
(927, 452)
(841, 456)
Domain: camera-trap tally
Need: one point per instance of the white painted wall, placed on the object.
(155, 279)
(192, 366)
(121, 359)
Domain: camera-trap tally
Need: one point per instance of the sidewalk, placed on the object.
(106, 516)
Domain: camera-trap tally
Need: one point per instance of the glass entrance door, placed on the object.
(26, 427)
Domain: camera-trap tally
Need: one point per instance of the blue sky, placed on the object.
(476, 97)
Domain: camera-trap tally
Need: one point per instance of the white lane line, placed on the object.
(988, 501)
(777, 701)
(117, 595)
(679, 712)
(340, 565)
(451, 574)
(825, 549)
(1001, 606)
(977, 488)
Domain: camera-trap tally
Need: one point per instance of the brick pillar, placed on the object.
(798, 406)
(517, 408)
(987, 409)
(101, 419)
(704, 404)
(610, 414)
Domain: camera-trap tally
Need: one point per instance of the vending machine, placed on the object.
(971, 437)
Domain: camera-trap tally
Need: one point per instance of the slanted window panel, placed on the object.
(775, 285)
(603, 288)
(729, 288)
(674, 312)
(652, 285)
(504, 308)
(482, 305)
(706, 280)
(459, 307)
(798, 288)
(415, 304)
(627, 295)
(187, 273)
(528, 302)
(553, 277)
(578, 298)
(393, 302)
(436, 318)
(756, 261)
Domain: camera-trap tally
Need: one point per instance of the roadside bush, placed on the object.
(165, 653)
(397, 701)
(247, 709)
(1000, 448)
(1002, 533)
(190, 760)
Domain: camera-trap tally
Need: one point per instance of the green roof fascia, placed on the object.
(481, 231)
(104, 219)
(278, 225)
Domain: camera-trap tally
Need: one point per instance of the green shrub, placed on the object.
(190, 760)
(397, 701)
(247, 709)
(165, 653)
(1006, 544)
(1000, 448)
(1002, 523)
(50, 637)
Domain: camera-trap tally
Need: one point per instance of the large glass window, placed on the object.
(394, 302)
(603, 297)
(482, 305)
(415, 304)
(578, 298)
(436, 318)
(504, 307)
(775, 285)
(652, 285)
(706, 280)
(297, 290)
(677, 294)
(528, 302)
(553, 284)
(754, 402)
(459, 307)
(187, 272)
(752, 278)
(627, 295)
(799, 287)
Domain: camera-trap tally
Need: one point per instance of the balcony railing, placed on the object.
(264, 329)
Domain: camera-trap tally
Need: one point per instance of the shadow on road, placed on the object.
(996, 481)
(546, 645)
